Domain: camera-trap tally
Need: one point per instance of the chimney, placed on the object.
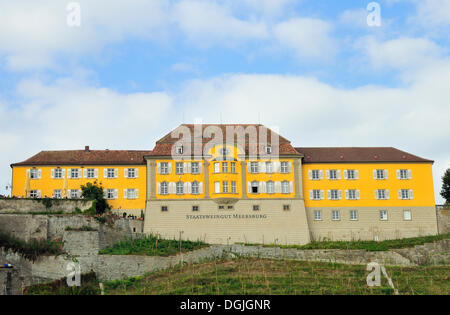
(86, 148)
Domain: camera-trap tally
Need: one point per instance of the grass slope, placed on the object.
(263, 276)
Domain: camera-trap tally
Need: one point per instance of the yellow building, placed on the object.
(261, 190)
(60, 174)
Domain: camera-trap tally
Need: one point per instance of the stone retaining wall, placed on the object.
(8, 205)
(443, 218)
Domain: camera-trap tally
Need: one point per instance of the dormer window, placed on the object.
(224, 151)
(268, 149)
(180, 150)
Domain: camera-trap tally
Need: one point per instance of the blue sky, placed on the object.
(133, 69)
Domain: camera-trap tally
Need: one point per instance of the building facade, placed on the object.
(231, 191)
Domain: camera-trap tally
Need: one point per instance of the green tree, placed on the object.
(94, 191)
(445, 192)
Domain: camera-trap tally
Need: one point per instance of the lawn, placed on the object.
(264, 276)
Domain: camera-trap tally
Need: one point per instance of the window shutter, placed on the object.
(185, 168)
(125, 194)
(28, 173)
(173, 188)
(85, 172)
(38, 193)
(322, 195)
(136, 194)
(338, 174)
(310, 174)
(376, 194)
(116, 193)
(125, 172)
(374, 174)
(69, 192)
(189, 168)
(411, 195)
(358, 194)
(200, 188)
(105, 193)
(158, 188)
(249, 187)
(96, 173)
(52, 173)
(291, 187)
(398, 174)
(345, 175)
(69, 173)
(116, 172)
(311, 194)
(356, 174)
(262, 167)
(385, 174)
(39, 174)
(409, 174)
(278, 187)
(346, 195)
(158, 168)
(185, 186)
(328, 174)
(200, 166)
(105, 173)
(169, 167)
(400, 196)
(136, 172)
(189, 188)
(290, 167)
(340, 194)
(263, 187)
(386, 192)
(329, 194)
(277, 167)
(248, 167)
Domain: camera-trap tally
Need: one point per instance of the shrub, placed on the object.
(94, 191)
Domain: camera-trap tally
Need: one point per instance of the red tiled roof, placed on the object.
(163, 146)
(86, 157)
(355, 154)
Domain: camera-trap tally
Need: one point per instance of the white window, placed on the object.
(164, 208)
(407, 215)
(57, 193)
(254, 167)
(268, 149)
(224, 167)
(195, 168)
(74, 194)
(180, 188)
(58, 173)
(164, 188)
(334, 194)
(285, 187)
(233, 187)
(110, 173)
(195, 208)
(90, 173)
(316, 194)
(233, 167)
(224, 151)
(286, 207)
(333, 174)
(270, 187)
(383, 215)
(225, 186)
(350, 174)
(315, 174)
(318, 215)
(284, 167)
(269, 167)
(195, 188)
(131, 194)
(404, 194)
(255, 187)
(217, 187)
(35, 173)
(353, 215)
(164, 168)
(180, 150)
(380, 174)
(351, 194)
(216, 167)
(382, 194)
(131, 173)
(404, 174)
(74, 173)
(34, 194)
(335, 215)
(179, 166)
(255, 207)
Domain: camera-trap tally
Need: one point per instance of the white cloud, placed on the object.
(433, 13)
(401, 53)
(309, 38)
